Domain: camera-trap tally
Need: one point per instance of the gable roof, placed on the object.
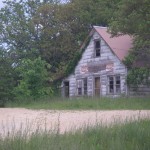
(119, 45)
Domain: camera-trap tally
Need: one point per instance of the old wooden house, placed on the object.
(100, 71)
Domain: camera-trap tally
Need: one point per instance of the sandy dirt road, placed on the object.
(15, 119)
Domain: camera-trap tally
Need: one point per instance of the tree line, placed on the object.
(38, 39)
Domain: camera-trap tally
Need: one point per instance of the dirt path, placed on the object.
(14, 119)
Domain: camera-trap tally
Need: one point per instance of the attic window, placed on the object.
(97, 48)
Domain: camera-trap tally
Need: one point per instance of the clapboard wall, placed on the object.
(88, 60)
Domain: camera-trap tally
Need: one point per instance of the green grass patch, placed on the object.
(84, 104)
(130, 136)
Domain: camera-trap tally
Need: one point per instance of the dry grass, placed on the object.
(129, 136)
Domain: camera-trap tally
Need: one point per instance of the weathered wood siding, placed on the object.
(88, 60)
(141, 90)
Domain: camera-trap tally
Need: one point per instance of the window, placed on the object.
(97, 48)
(85, 86)
(118, 90)
(111, 84)
(82, 87)
(114, 86)
(79, 87)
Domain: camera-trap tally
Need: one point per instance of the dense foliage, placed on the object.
(53, 31)
(70, 68)
(34, 79)
(132, 17)
(50, 30)
(6, 77)
(139, 76)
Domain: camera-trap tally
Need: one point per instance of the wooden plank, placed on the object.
(91, 61)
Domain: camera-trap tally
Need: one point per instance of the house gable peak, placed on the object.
(120, 45)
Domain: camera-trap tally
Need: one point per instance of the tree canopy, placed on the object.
(133, 17)
(53, 31)
(7, 81)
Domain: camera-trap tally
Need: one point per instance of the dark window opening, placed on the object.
(79, 91)
(79, 87)
(111, 84)
(97, 44)
(82, 87)
(85, 86)
(66, 84)
(97, 52)
(114, 85)
(97, 48)
(111, 88)
(118, 88)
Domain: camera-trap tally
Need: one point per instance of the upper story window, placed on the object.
(97, 44)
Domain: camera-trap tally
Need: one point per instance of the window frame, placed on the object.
(114, 85)
(97, 49)
(79, 86)
(83, 88)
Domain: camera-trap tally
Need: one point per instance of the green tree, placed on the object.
(6, 78)
(32, 28)
(34, 79)
(50, 29)
(77, 18)
(57, 43)
(80, 16)
(132, 17)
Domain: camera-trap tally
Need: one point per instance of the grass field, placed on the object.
(84, 104)
(130, 136)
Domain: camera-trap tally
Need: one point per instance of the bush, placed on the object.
(34, 79)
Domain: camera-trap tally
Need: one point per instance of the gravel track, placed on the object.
(16, 119)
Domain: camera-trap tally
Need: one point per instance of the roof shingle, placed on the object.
(119, 45)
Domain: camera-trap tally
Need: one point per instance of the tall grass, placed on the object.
(83, 103)
(130, 136)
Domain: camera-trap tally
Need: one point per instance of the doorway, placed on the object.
(97, 86)
(66, 87)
